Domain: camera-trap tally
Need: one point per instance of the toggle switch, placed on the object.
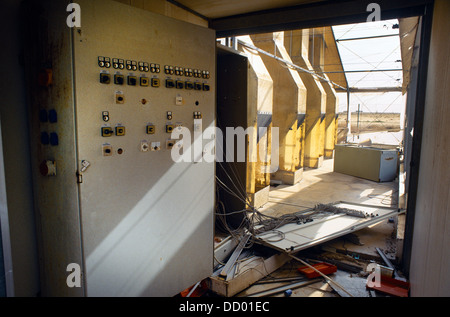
(105, 115)
(169, 115)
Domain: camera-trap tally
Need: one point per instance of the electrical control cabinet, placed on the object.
(109, 197)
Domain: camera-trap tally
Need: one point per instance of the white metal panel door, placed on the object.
(147, 221)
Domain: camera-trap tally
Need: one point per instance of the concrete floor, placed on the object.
(323, 185)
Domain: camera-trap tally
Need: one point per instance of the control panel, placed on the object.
(111, 197)
(185, 85)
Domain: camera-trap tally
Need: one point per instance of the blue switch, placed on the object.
(43, 116)
(54, 140)
(45, 139)
(52, 116)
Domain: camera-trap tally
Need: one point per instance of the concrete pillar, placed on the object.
(259, 114)
(331, 118)
(289, 100)
(297, 43)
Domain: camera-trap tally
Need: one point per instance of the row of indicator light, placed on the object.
(117, 63)
(188, 72)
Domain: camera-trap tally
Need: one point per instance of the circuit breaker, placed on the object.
(112, 200)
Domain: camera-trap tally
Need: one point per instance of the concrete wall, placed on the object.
(430, 255)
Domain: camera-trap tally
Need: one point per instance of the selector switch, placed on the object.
(169, 128)
(119, 79)
(170, 83)
(105, 78)
(198, 86)
(151, 129)
(189, 85)
(120, 131)
(107, 132)
(145, 82)
(132, 81)
(206, 87)
(180, 84)
(156, 83)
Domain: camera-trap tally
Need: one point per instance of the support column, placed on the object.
(289, 100)
(331, 118)
(297, 43)
(259, 114)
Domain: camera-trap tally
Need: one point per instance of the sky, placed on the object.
(371, 54)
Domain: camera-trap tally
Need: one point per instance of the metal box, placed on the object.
(376, 164)
(109, 197)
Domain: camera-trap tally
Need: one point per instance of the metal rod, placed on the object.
(237, 252)
(284, 288)
(368, 89)
(321, 274)
(365, 71)
(288, 63)
(367, 37)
